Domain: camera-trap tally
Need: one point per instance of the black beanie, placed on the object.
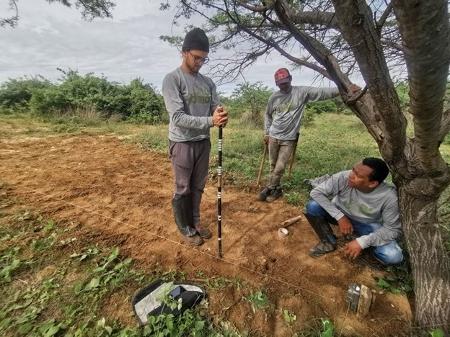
(196, 39)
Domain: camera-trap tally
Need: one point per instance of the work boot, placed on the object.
(323, 247)
(204, 233)
(323, 230)
(194, 240)
(276, 193)
(262, 196)
(182, 212)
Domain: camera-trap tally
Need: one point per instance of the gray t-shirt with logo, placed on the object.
(379, 206)
(190, 100)
(285, 110)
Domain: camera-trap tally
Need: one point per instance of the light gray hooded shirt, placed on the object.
(190, 100)
(379, 206)
(285, 110)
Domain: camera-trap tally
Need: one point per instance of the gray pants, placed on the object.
(190, 161)
(280, 151)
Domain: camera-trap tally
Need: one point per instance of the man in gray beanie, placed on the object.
(193, 106)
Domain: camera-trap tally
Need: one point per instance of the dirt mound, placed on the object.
(124, 193)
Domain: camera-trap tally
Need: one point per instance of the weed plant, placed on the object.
(52, 284)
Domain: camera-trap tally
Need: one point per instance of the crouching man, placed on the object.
(360, 203)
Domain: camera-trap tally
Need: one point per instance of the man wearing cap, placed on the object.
(282, 123)
(193, 106)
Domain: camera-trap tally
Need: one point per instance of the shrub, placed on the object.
(249, 101)
(15, 94)
(146, 106)
(76, 94)
(319, 107)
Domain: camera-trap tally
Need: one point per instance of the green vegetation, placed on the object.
(317, 328)
(289, 317)
(398, 279)
(83, 97)
(259, 300)
(63, 292)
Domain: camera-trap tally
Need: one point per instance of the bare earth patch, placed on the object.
(122, 194)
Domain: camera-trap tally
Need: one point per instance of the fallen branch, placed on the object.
(290, 222)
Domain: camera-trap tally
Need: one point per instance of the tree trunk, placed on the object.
(429, 259)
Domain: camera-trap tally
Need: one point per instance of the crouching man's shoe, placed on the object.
(322, 248)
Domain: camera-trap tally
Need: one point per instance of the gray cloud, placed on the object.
(122, 48)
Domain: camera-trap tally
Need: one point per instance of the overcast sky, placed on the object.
(49, 36)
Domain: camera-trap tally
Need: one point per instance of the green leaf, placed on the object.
(437, 333)
(94, 283)
(382, 283)
(25, 328)
(328, 328)
(52, 331)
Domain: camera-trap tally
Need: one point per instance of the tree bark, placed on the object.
(429, 260)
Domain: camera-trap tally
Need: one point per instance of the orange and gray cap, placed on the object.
(282, 75)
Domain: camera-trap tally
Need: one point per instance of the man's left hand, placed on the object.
(352, 249)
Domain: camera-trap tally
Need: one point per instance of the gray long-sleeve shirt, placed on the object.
(379, 206)
(190, 101)
(285, 110)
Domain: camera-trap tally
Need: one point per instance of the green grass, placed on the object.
(258, 300)
(55, 282)
(331, 143)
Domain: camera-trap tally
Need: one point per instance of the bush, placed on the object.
(50, 101)
(146, 106)
(78, 95)
(249, 102)
(321, 106)
(15, 94)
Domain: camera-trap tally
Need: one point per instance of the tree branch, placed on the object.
(380, 23)
(12, 20)
(320, 53)
(357, 27)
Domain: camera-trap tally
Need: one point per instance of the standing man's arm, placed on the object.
(320, 94)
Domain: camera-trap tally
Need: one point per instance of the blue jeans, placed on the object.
(388, 254)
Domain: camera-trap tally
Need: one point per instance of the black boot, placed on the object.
(323, 230)
(182, 211)
(262, 196)
(277, 192)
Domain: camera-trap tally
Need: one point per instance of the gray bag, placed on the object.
(150, 300)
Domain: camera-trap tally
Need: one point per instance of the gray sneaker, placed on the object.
(321, 248)
(276, 193)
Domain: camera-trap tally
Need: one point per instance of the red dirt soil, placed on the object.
(122, 192)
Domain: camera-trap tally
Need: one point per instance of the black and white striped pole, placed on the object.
(219, 193)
